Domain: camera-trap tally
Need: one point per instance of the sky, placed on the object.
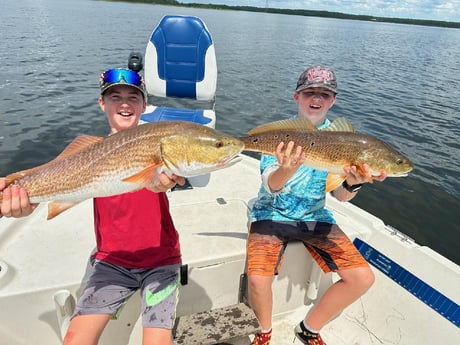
(445, 10)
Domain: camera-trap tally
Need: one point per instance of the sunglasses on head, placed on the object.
(121, 75)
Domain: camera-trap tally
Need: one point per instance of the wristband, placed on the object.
(353, 188)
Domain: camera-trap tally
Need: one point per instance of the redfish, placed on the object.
(93, 166)
(330, 149)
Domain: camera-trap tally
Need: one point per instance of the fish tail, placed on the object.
(10, 179)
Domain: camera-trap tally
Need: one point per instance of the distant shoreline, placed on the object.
(308, 13)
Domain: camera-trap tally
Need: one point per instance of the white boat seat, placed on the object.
(180, 62)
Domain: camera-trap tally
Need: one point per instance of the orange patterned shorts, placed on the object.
(327, 243)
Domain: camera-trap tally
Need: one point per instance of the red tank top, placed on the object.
(135, 230)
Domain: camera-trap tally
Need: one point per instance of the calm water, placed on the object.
(396, 82)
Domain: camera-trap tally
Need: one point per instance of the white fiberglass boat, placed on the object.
(414, 301)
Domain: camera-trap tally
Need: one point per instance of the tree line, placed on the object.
(308, 13)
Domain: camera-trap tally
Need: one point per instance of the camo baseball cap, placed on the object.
(317, 76)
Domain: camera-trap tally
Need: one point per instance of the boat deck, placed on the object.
(40, 257)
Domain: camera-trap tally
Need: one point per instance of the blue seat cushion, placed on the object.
(176, 114)
(181, 44)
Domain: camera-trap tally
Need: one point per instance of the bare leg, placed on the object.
(352, 285)
(86, 329)
(156, 336)
(261, 299)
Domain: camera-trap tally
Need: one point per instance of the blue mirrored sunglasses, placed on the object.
(121, 75)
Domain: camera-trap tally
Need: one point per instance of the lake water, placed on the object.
(396, 82)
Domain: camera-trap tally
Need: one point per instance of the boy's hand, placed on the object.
(355, 177)
(15, 201)
(164, 183)
(288, 160)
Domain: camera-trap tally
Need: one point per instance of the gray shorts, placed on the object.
(109, 287)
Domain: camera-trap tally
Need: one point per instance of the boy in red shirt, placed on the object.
(137, 243)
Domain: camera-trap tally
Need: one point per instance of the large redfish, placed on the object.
(330, 149)
(126, 161)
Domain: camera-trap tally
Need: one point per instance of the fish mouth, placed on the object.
(229, 161)
(403, 172)
(395, 174)
(191, 169)
(398, 175)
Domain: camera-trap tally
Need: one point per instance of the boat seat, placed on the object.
(180, 62)
(200, 116)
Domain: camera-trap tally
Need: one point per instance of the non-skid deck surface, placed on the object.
(216, 326)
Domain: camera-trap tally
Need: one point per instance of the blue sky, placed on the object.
(447, 10)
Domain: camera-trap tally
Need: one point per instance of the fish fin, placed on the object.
(145, 176)
(333, 181)
(78, 144)
(55, 208)
(287, 125)
(360, 170)
(340, 124)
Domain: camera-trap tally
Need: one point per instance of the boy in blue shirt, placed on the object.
(291, 206)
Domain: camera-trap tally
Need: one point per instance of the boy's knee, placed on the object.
(360, 279)
(253, 281)
(258, 281)
(367, 279)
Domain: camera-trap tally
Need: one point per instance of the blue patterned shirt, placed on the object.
(301, 199)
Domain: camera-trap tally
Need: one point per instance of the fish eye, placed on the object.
(399, 161)
(219, 144)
